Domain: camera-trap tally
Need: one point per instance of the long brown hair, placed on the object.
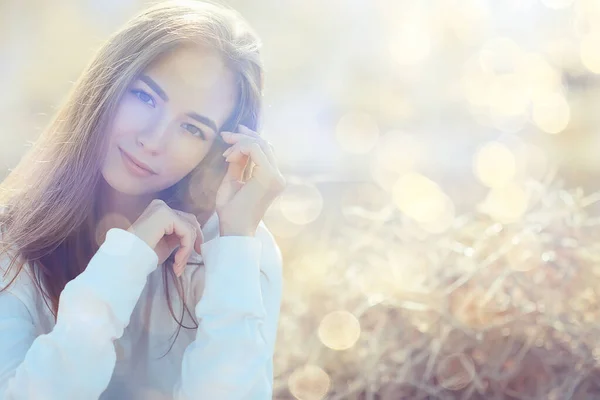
(49, 199)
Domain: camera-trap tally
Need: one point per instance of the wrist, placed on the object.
(235, 232)
(226, 229)
(238, 225)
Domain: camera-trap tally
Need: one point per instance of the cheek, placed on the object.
(185, 155)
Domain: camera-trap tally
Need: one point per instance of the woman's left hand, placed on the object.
(241, 205)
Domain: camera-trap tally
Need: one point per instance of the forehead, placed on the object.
(196, 78)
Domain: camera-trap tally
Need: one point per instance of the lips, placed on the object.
(136, 162)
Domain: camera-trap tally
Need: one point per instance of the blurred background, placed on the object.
(392, 120)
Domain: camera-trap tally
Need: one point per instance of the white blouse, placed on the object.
(114, 325)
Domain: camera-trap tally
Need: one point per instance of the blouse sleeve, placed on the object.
(238, 313)
(76, 359)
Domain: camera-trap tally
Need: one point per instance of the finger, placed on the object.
(191, 218)
(187, 235)
(265, 172)
(232, 137)
(251, 165)
(252, 150)
(239, 170)
(232, 181)
(248, 131)
(242, 148)
(249, 170)
(270, 153)
(267, 147)
(243, 129)
(235, 170)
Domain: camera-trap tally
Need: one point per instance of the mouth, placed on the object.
(135, 166)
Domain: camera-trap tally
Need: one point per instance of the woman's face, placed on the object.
(168, 119)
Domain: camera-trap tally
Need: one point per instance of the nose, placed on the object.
(155, 137)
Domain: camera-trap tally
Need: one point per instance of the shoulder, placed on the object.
(10, 262)
(16, 279)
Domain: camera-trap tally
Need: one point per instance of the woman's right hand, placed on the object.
(164, 228)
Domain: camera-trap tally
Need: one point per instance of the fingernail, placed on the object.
(225, 133)
(226, 152)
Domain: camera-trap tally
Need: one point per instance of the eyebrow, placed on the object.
(205, 120)
(161, 93)
(150, 82)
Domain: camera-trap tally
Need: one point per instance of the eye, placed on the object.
(194, 130)
(143, 96)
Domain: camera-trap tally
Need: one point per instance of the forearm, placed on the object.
(76, 359)
(231, 357)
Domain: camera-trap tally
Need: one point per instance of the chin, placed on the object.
(125, 184)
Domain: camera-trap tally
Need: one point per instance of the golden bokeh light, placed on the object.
(443, 221)
(500, 55)
(476, 82)
(396, 153)
(494, 165)
(509, 96)
(551, 114)
(278, 224)
(407, 269)
(339, 330)
(301, 203)
(506, 204)
(509, 123)
(357, 132)
(434, 236)
(526, 253)
(539, 76)
(532, 161)
(366, 199)
(537, 162)
(411, 44)
(588, 51)
(504, 81)
(313, 267)
(563, 53)
(401, 271)
(394, 104)
(309, 382)
(466, 19)
(420, 198)
(586, 16)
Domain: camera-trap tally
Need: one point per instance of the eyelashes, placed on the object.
(147, 98)
(195, 128)
(144, 97)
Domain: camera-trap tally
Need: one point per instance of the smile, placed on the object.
(133, 167)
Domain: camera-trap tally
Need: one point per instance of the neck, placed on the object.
(119, 210)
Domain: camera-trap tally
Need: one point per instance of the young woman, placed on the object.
(135, 264)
